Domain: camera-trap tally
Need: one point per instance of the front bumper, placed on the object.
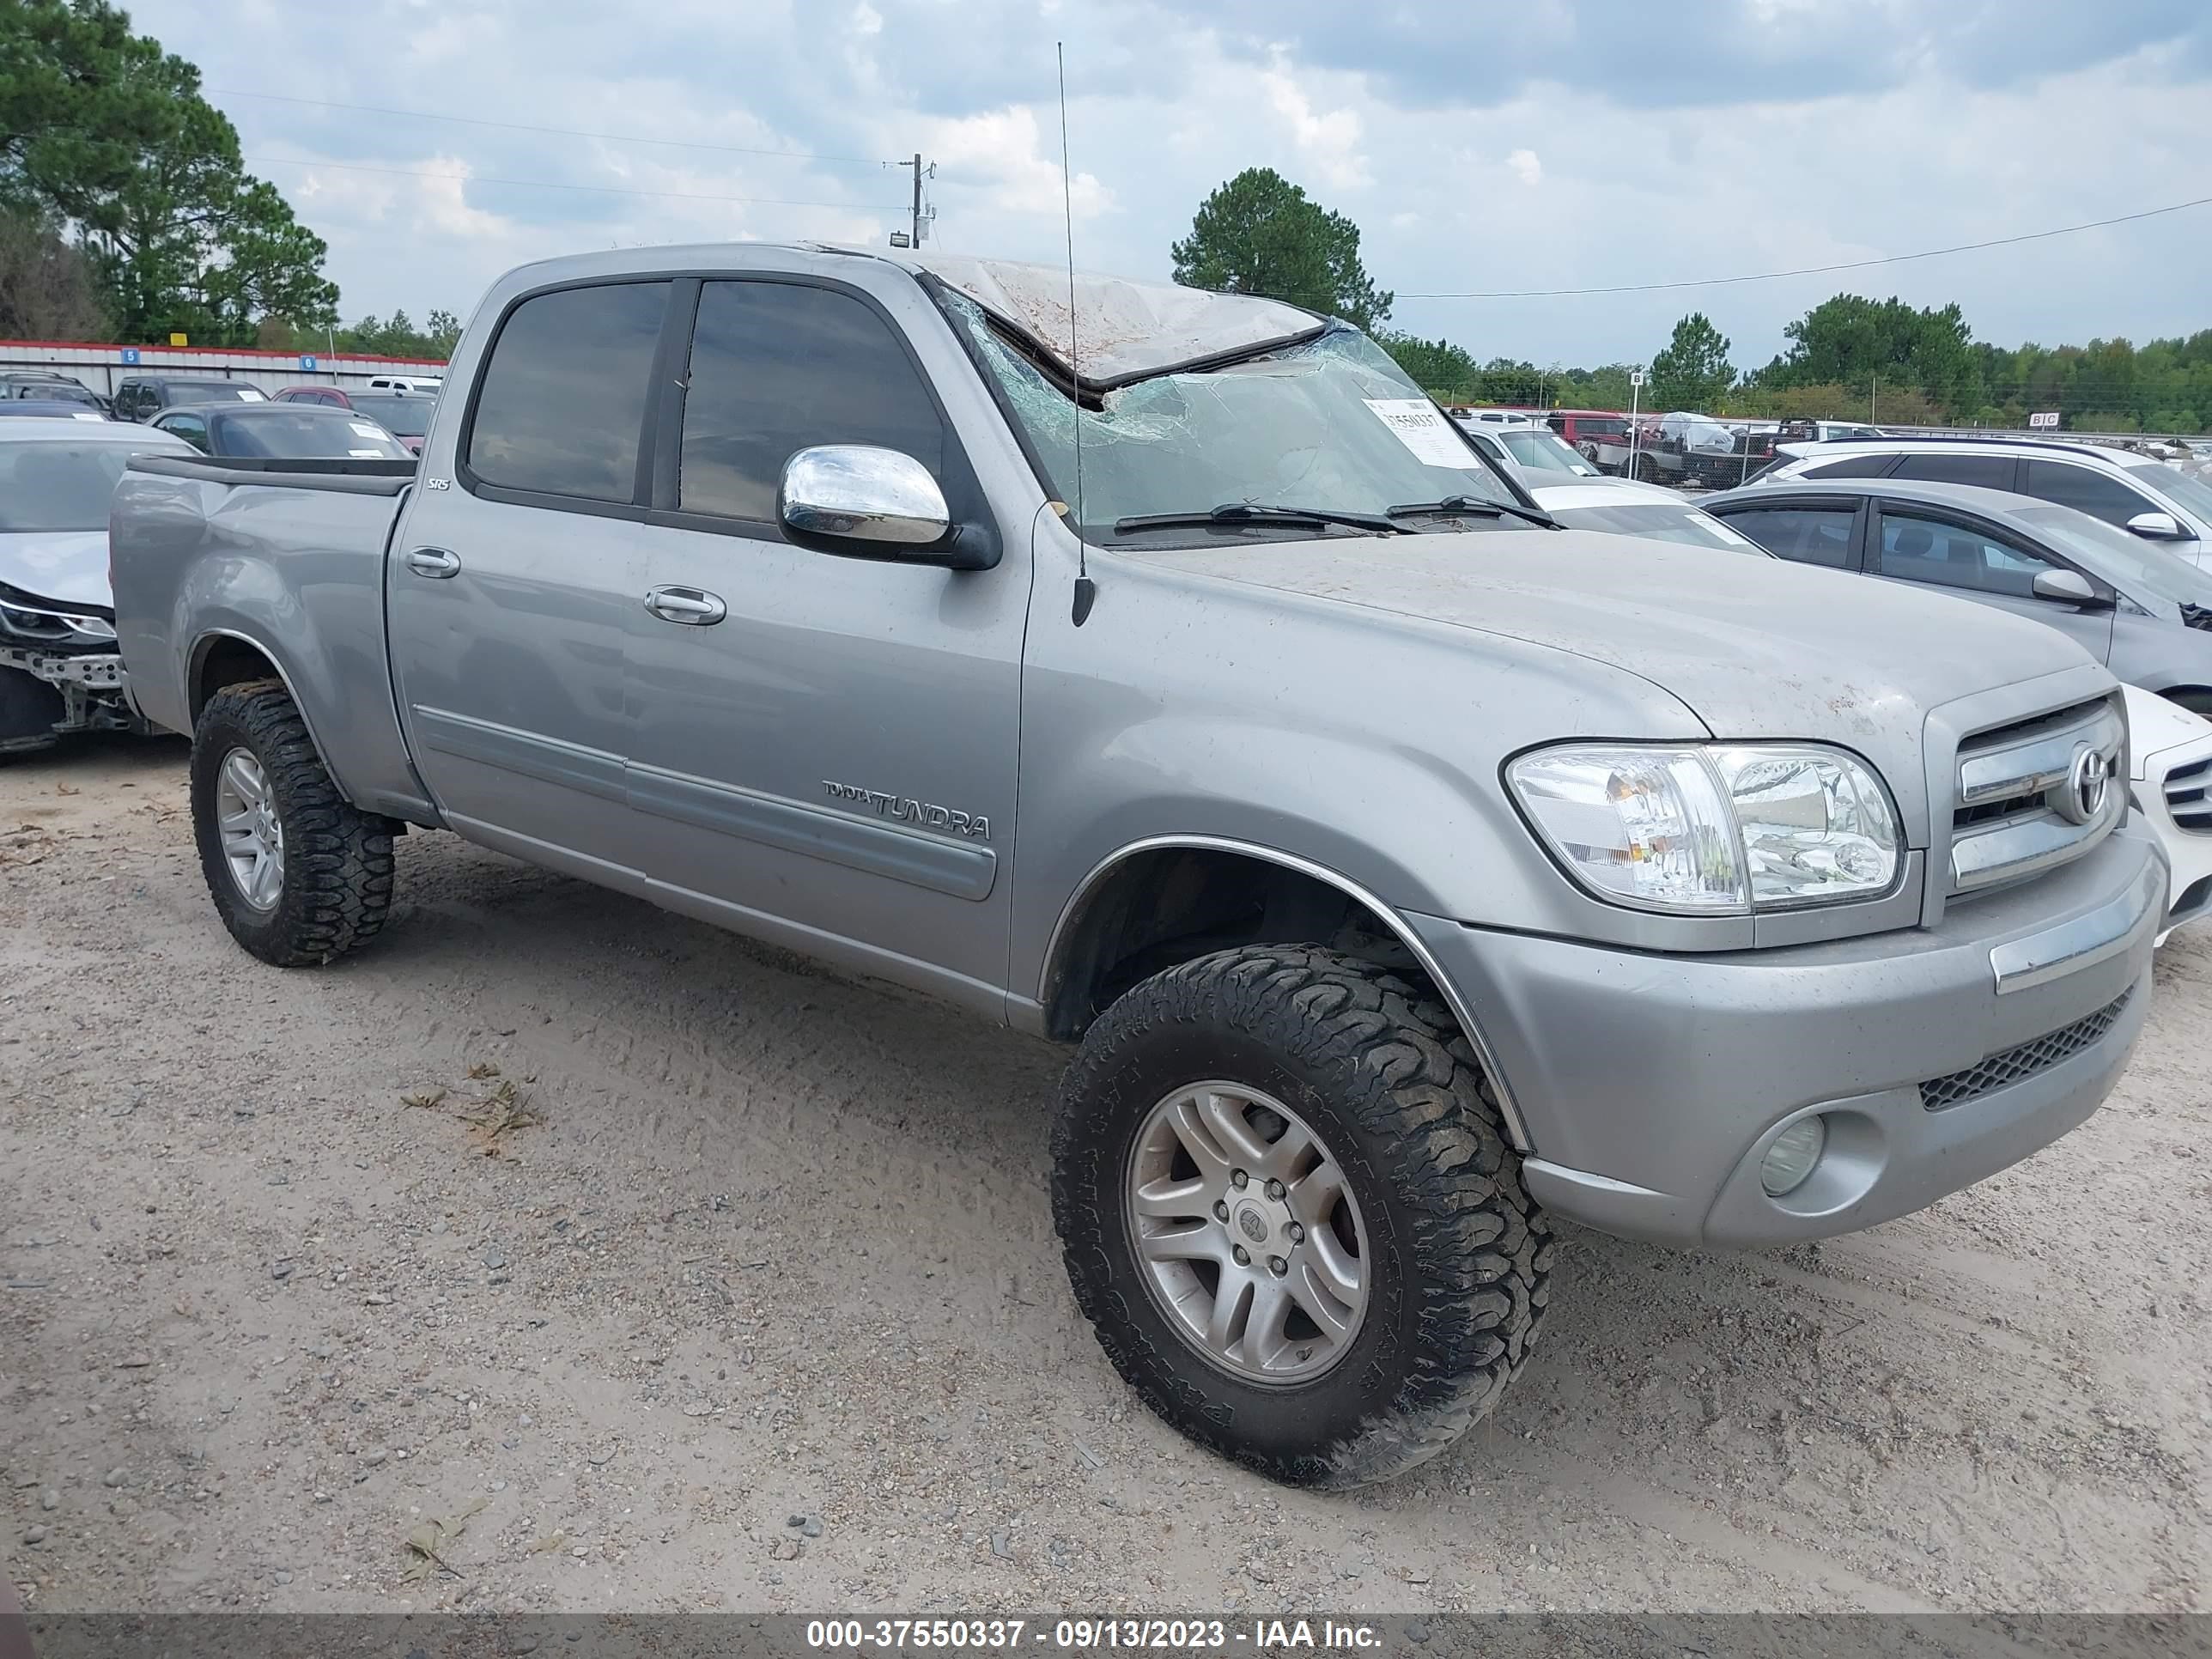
(2172, 790)
(1650, 1086)
(94, 687)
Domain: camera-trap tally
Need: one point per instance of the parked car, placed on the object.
(1600, 436)
(2149, 498)
(405, 415)
(59, 670)
(432, 383)
(2130, 604)
(1620, 507)
(1406, 870)
(141, 397)
(288, 431)
(45, 409)
(44, 385)
(2169, 782)
(334, 396)
(1822, 432)
(1683, 448)
(1534, 453)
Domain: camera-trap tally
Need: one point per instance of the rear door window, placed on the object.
(1852, 466)
(2087, 490)
(1809, 535)
(1988, 471)
(561, 410)
(778, 367)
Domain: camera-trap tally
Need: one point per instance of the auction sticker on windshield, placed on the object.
(1421, 427)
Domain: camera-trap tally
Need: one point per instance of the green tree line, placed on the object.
(1848, 358)
(126, 212)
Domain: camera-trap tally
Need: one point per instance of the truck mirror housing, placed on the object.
(859, 493)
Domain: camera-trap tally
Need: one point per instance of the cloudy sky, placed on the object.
(1533, 144)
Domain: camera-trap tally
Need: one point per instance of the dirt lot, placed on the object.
(779, 1247)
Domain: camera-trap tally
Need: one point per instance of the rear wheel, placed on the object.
(1647, 470)
(1288, 1209)
(297, 873)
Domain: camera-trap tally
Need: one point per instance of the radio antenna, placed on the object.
(1086, 591)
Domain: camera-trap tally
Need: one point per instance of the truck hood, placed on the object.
(67, 566)
(1754, 648)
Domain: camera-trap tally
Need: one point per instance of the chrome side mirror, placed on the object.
(2067, 587)
(857, 492)
(2157, 526)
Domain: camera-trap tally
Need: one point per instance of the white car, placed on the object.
(432, 383)
(2171, 787)
(1535, 454)
(1625, 508)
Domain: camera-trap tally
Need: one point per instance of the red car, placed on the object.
(335, 396)
(404, 414)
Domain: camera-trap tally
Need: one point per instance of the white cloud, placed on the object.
(1372, 111)
(1005, 152)
(1329, 139)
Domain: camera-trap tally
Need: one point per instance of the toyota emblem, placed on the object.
(2083, 797)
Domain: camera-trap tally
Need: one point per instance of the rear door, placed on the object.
(830, 757)
(1926, 547)
(510, 585)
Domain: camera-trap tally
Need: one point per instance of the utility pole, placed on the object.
(915, 230)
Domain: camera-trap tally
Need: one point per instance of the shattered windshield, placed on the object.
(1329, 425)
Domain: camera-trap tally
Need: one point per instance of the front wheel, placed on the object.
(1289, 1211)
(298, 874)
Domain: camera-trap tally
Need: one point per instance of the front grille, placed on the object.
(2000, 1070)
(2012, 805)
(2187, 798)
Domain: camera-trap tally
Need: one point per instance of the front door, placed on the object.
(1919, 547)
(511, 584)
(824, 749)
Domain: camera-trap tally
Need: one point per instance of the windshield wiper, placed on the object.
(1236, 514)
(1471, 507)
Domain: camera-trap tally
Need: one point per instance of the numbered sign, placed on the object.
(129, 355)
(308, 362)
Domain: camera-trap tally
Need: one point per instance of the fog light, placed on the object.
(1792, 1156)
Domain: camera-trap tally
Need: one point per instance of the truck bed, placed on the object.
(283, 558)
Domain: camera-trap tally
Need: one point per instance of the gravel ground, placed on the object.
(748, 1245)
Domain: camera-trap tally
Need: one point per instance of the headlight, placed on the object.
(1714, 829)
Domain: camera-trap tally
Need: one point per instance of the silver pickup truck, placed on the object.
(1161, 672)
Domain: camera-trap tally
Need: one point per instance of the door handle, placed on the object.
(433, 562)
(693, 606)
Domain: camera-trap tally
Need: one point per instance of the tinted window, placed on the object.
(1851, 466)
(190, 427)
(776, 367)
(1810, 535)
(2087, 490)
(57, 486)
(562, 401)
(1989, 472)
(302, 432)
(408, 416)
(1917, 550)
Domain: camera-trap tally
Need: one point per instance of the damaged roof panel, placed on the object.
(1124, 331)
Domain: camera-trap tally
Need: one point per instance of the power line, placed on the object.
(566, 132)
(548, 183)
(1814, 271)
